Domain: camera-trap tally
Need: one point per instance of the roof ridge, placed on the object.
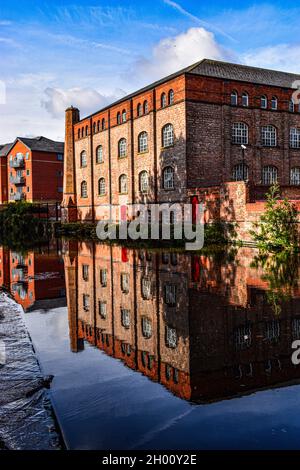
(263, 69)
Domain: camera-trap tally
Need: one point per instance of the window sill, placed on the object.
(102, 195)
(167, 147)
(143, 153)
(122, 158)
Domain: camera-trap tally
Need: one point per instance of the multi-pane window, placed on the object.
(119, 119)
(139, 109)
(274, 103)
(146, 327)
(125, 283)
(163, 100)
(168, 178)
(245, 99)
(272, 330)
(263, 102)
(234, 98)
(239, 133)
(85, 272)
(291, 106)
(146, 109)
(103, 277)
(124, 115)
(99, 154)
(170, 294)
(122, 148)
(171, 97)
(295, 176)
(125, 317)
(101, 187)
(171, 337)
(242, 337)
(102, 309)
(83, 159)
(86, 302)
(144, 182)
(240, 172)
(269, 175)
(269, 136)
(143, 142)
(167, 135)
(123, 185)
(84, 189)
(146, 288)
(295, 138)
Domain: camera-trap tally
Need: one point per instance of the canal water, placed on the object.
(163, 350)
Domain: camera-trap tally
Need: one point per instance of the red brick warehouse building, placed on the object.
(32, 170)
(184, 132)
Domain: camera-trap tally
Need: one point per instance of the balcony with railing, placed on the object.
(17, 197)
(17, 162)
(18, 180)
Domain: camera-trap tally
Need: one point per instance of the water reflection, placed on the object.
(205, 328)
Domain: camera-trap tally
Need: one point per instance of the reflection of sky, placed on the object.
(102, 404)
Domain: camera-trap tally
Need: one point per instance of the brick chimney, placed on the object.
(69, 204)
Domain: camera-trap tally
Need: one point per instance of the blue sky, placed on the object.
(89, 53)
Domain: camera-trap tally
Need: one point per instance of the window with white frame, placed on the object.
(163, 100)
(119, 120)
(168, 178)
(124, 115)
(84, 193)
(122, 148)
(125, 282)
(139, 109)
(292, 106)
(171, 97)
(167, 135)
(143, 142)
(123, 184)
(144, 182)
(125, 317)
(245, 99)
(240, 133)
(171, 337)
(170, 294)
(146, 288)
(101, 187)
(263, 102)
(102, 309)
(146, 109)
(85, 272)
(234, 98)
(86, 302)
(240, 172)
(295, 138)
(269, 175)
(99, 154)
(274, 103)
(146, 327)
(103, 277)
(83, 159)
(295, 176)
(269, 136)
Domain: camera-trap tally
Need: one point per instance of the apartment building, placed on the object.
(206, 125)
(31, 170)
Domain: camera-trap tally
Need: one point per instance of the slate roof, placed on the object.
(40, 144)
(223, 70)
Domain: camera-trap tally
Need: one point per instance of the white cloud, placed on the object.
(87, 100)
(284, 57)
(173, 53)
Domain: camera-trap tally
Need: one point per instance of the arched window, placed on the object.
(94, 127)
(82, 132)
(146, 288)
(168, 178)
(167, 135)
(269, 136)
(274, 103)
(103, 124)
(245, 99)
(84, 189)
(171, 97)
(163, 100)
(83, 159)
(124, 115)
(295, 138)
(123, 185)
(99, 154)
(119, 118)
(139, 109)
(144, 182)
(239, 133)
(269, 175)
(240, 172)
(146, 109)
(295, 176)
(101, 187)
(234, 98)
(263, 102)
(79, 133)
(292, 106)
(86, 130)
(122, 151)
(143, 142)
(146, 327)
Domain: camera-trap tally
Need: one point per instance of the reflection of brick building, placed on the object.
(202, 328)
(35, 279)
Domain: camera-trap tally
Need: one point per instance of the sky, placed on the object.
(89, 53)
